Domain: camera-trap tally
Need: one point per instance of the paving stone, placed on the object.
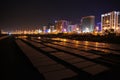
(55, 67)
(33, 55)
(75, 60)
(45, 63)
(85, 48)
(27, 49)
(48, 49)
(42, 60)
(83, 64)
(96, 69)
(60, 54)
(60, 47)
(84, 53)
(59, 75)
(35, 44)
(93, 56)
(105, 50)
(66, 57)
(68, 45)
(34, 59)
(63, 48)
(63, 55)
(52, 45)
(70, 50)
(75, 51)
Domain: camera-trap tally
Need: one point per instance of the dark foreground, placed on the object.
(15, 65)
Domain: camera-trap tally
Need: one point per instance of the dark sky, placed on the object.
(41, 12)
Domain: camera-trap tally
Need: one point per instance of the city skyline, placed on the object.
(40, 13)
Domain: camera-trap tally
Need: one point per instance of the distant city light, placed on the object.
(49, 31)
(9, 34)
(39, 31)
(109, 21)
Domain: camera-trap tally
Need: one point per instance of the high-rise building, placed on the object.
(52, 28)
(61, 26)
(44, 29)
(73, 28)
(111, 21)
(88, 23)
(98, 27)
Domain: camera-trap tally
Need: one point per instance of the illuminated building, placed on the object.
(88, 23)
(61, 26)
(39, 31)
(111, 21)
(73, 28)
(52, 28)
(44, 29)
(98, 27)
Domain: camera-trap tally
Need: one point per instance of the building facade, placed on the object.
(98, 27)
(62, 26)
(88, 23)
(111, 21)
(73, 28)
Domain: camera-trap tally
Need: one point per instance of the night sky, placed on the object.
(16, 13)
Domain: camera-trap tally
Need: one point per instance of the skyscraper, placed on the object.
(62, 26)
(99, 27)
(88, 23)
(111, 21)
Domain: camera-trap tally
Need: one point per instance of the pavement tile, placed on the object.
(66, 57)
(36, 44)
(37, 55)
(41, 60)
(60, 54)
(75, 60)
(93, 56)
(70, 50)
(45, 63)
(48, 49)
(63, 55)
(34, 59)
(59, 75)
(55, 67)
(96, 69)
(74, 51)
(83, 64)
(81, 53)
